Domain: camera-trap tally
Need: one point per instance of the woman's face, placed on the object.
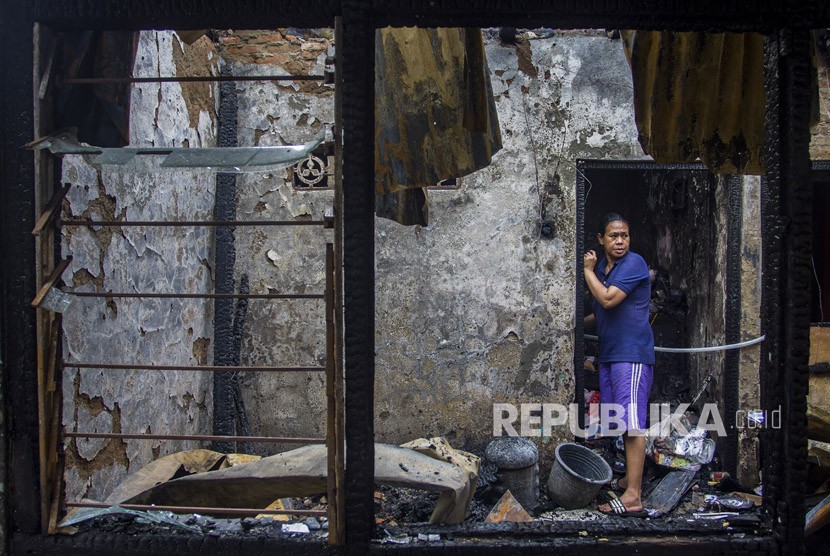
(615, 241)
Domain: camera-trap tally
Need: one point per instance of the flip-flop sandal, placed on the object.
(614, 485)
(618, 509)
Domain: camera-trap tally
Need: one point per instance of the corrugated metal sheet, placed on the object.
(435, 116)
(700, 95)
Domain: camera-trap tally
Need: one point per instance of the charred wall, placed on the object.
(479, 302)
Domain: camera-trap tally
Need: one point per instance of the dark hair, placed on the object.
(608, 218)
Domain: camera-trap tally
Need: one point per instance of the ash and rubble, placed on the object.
(403, 514)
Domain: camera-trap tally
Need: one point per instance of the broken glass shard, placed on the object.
(56, 300)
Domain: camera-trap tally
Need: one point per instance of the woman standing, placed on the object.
(620, 285)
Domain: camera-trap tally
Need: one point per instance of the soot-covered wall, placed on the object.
(475, 309)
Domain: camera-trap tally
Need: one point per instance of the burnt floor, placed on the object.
(640, 536)
(580, 532)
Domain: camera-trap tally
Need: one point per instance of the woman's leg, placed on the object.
(635, 459)
(631, 383)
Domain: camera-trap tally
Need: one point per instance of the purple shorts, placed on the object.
(627, 385)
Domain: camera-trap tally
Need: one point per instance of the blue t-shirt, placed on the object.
(624, 332)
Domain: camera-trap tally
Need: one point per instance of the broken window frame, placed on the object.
(52, 300)
(784, 22)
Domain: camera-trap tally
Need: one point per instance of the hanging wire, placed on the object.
(590, 185)
(535, 161)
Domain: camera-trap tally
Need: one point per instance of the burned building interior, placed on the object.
(262, 295)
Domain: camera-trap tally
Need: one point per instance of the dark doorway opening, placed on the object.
(672, 213)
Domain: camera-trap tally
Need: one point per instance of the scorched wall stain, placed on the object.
(478, 308)
(473, 310)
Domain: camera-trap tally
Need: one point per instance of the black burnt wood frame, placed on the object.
(786, 227)
(786, 203)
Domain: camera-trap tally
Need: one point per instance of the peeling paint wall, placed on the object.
(473, 310)
(135, 259)
(282, 259)
(477, 302)
(478, 308)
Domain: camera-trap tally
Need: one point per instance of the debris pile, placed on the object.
(423, 483)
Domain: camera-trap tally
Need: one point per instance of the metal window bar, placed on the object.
(198, 509)
(204, 437)
(209, 223)
(334, 437)
(204, 368)
(161, 295)
(185, 79)
(333, 440)
(50, 361)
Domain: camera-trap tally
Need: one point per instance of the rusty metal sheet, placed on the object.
(435, 116)
(507, 509)
(700, 95)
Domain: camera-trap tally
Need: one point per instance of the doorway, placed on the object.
(673, 215)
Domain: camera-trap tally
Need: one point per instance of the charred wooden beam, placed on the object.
(356, 45)
(786, 282)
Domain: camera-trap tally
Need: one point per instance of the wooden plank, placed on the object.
(338, 526)
(52, 209)
(50, 429)
(55, 477)
(51, 280)
(46, 76)
(818, 517)
(53, 360)
(331, 405)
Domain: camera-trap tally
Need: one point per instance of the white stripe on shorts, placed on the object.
(633, 413)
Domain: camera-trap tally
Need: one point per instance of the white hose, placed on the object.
(707, 349)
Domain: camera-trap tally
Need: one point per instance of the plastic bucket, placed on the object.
(577, 475)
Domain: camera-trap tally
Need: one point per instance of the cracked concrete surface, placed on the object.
(473, 310)
(138, 259)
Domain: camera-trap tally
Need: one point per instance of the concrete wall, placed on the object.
(820, 133)
(475, 309)
(479, 303)
(749, 382)
(130, 259)
(281, 260)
